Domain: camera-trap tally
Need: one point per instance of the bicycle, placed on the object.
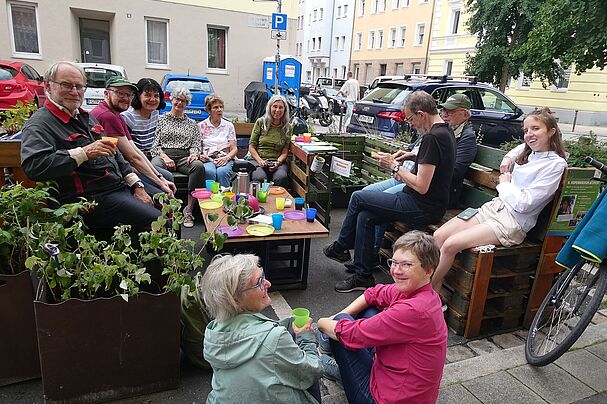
(569, 306)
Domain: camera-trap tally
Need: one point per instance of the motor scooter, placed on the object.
(315, 106)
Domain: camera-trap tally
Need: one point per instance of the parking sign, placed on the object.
(279, 21)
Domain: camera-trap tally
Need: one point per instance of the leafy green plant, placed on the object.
(238, 212)
(87, 268)
(344, 182)
(14, 119)
(510, 145)
(584, 146)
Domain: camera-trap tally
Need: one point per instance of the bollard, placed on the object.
(574, 121)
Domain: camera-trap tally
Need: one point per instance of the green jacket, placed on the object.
(255, 360)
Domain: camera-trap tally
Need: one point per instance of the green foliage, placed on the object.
(354, 179)
(510, 145)
(572, 31)
(238, 212)
(14, 119)
(584, 146)
(502, 27)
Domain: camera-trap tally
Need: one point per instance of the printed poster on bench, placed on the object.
(578, 194)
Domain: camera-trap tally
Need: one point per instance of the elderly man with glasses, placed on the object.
(117, 98)
(63, 143)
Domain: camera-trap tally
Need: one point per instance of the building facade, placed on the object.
(343, 19)
(225, 41)
(575, 97)
(390, 37)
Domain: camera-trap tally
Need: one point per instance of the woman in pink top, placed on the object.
(396, 355)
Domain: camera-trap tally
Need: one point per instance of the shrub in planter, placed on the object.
(343, 187)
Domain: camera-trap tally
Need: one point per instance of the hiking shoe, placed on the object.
(188, 220)
(354, 282)
(332, 251)
(324, 347)
(330, 368)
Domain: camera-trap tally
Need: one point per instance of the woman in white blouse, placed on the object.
(218, 142)
(530, 176)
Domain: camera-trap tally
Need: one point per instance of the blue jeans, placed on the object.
(222, 174)
(390, 186)
(355, 365)
(367, 209)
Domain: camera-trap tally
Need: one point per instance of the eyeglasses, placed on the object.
(408, 118)
(123, 94)
(178, 100)
(446, 111)
(67, 86)
(261, 282)
(403, 266)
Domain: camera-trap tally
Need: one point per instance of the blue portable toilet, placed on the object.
(289, 71)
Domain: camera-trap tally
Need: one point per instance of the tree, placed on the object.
(502, 27)
(566, 32)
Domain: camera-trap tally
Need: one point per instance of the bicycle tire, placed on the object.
(556, 327)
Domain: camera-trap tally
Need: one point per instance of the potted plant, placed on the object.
(107, 313)
(238, 211)
(13, 119)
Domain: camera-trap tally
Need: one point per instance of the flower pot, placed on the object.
(106, 348)
(19, 347)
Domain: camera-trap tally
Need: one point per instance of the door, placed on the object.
(95, 41)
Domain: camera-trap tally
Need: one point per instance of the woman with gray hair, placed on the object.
(176, 147)
(269, 143)
(254, 358)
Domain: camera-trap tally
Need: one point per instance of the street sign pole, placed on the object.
(277, 58)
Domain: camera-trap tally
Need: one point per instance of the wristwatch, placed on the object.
(136, 185)
(395, 169)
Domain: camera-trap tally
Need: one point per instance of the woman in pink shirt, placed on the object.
(396, 353)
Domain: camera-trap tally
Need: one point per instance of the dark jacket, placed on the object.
(465, 152)
(46, 138)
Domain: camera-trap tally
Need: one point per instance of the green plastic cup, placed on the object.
(215, 187)
(301, 316)
(262, 196)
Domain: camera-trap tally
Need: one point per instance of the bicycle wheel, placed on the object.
(565, 312)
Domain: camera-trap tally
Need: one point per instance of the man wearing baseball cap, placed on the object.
(117, 97)
(455, 111)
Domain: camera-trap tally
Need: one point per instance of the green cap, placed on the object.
(456, 101)
(119, 81)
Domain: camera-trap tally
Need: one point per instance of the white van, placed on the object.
(96, 76)
(329, 82)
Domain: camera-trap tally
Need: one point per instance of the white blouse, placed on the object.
(533, 185)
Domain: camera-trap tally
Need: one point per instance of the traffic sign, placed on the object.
(279, 21)
(279, 34)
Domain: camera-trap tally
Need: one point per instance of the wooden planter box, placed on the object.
(340, 199)
(106, 349)
(19, 347)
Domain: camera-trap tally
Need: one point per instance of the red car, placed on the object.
(19, 81)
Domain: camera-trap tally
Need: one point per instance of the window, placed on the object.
(404, 3)
(336, 44)
(343, 43)
(402, 36)
(368, 71)
(308, 76)
(217, 47)
(319, 43)
(382, 6)
(395, 4)
(338, 12)
(399, 69)
(562, 83)
(343, 72)
(356, 71)
(392, 39)
(321, 12)
(382, 69)
(524, 82)
(415, 68)
(419, 34)
(375, 6)
(380, 38)
(359, 40)
(313, 44)
(308, 47)
(345, 10)
(157, 39)
(335, 72)
(309, 18)
(23, 24)
(361, 8)
(448, 68)
(455, 14)
(371, 43)
(494, 101)
(315, 14)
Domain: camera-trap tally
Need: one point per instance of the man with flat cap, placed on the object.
(63, 143)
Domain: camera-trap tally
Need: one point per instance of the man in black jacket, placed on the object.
(61, 142)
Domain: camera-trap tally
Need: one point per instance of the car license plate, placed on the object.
(92, 101)
(365, 118)
(192, 111)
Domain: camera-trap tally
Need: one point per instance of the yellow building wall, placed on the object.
(408, 16)
(289, 7)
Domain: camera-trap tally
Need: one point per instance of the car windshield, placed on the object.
(97, 76)
(192, 85)
(389, 95)
(7, 73)
(339, 83)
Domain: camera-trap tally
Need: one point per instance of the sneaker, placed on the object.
(354, 282)
(444, 308)
(324, 347)
(330, 368)
(331, 251)
(188, 219)
(351, 269)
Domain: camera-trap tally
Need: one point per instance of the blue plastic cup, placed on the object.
(310, 214)
(277, 221)
(299, 202)
(208, 183)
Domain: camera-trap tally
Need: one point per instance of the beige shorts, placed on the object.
(501, 221)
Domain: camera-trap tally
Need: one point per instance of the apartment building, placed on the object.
(390, 37)
(315, 23)
(584, 96)
(343, 19)
(225, 41)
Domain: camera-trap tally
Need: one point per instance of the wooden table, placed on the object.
(285, 254)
